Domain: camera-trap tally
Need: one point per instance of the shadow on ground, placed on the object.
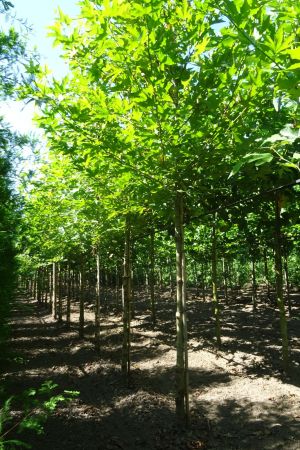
(109, 415)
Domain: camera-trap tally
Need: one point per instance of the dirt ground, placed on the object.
(239, 397)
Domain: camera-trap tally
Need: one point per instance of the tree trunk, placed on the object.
(287, 283)
(47, 285)
(132, 301)
(203, 281)
(225, 277)
(195, 275)
(81, 303)
(117, 285)
(266, 274)
(60, 292)
(171, 278)
(254, 292)
(152, 289)
(147, 283)
(182, 390)
(97, 304)
(279, 287)
(68, 314)
(216, 305)
(39, 285)
(126, 303)
(54, 293)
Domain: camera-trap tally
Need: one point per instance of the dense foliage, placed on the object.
(12, 56)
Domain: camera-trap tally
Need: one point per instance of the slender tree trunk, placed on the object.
(69, 281)
(152, 293)
(51, 288)
(254, 291)
(97, 304)
(132, 302)
(287, 283)
(147, 283)
(126, 302)
(54, 293)
(103, 279)
(35, 295)
(39, 285)
(225, 277)
(195, 274)
(182, 389)
(81, 302)
(216, 305)
(46, 285)
(73, 287)
(117, 285)
(279, 288)
(60, 292)
(203, 282)
(266, 274)
(160, 278)
(171, 278)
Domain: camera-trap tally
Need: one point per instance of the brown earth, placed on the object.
(240, 398)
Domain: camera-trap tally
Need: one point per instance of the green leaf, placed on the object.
(287, 134)
(294, 66)
(236, 168)
(294, 53)
(257, 158)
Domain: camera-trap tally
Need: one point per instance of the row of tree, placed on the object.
(13, 57)
(171, 135)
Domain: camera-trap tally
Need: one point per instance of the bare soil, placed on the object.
(239, 396)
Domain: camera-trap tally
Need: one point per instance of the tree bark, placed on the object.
(203, 276)
(279, 287)
(266, 274)
(97, 304)
(54, 293)
(182, 389)
(60, 292)
(225, 278)
(254, 293)
(68, 314)
(81, 303)
(287, 283)
(170, 278)
(126, 302)
(117, 286)
(151, 280)
(216, 305)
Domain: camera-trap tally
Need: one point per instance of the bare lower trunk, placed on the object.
(279, 288)
(182, 390)
(97, 304)
(216, 305)
(152, 293)
(225, 278)
(126, 303)
(254, 293)
(54, 295)
(287, 283)
(60, 292)
(203, 282)
(81, 303)
(266, 274)
(68, 313)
